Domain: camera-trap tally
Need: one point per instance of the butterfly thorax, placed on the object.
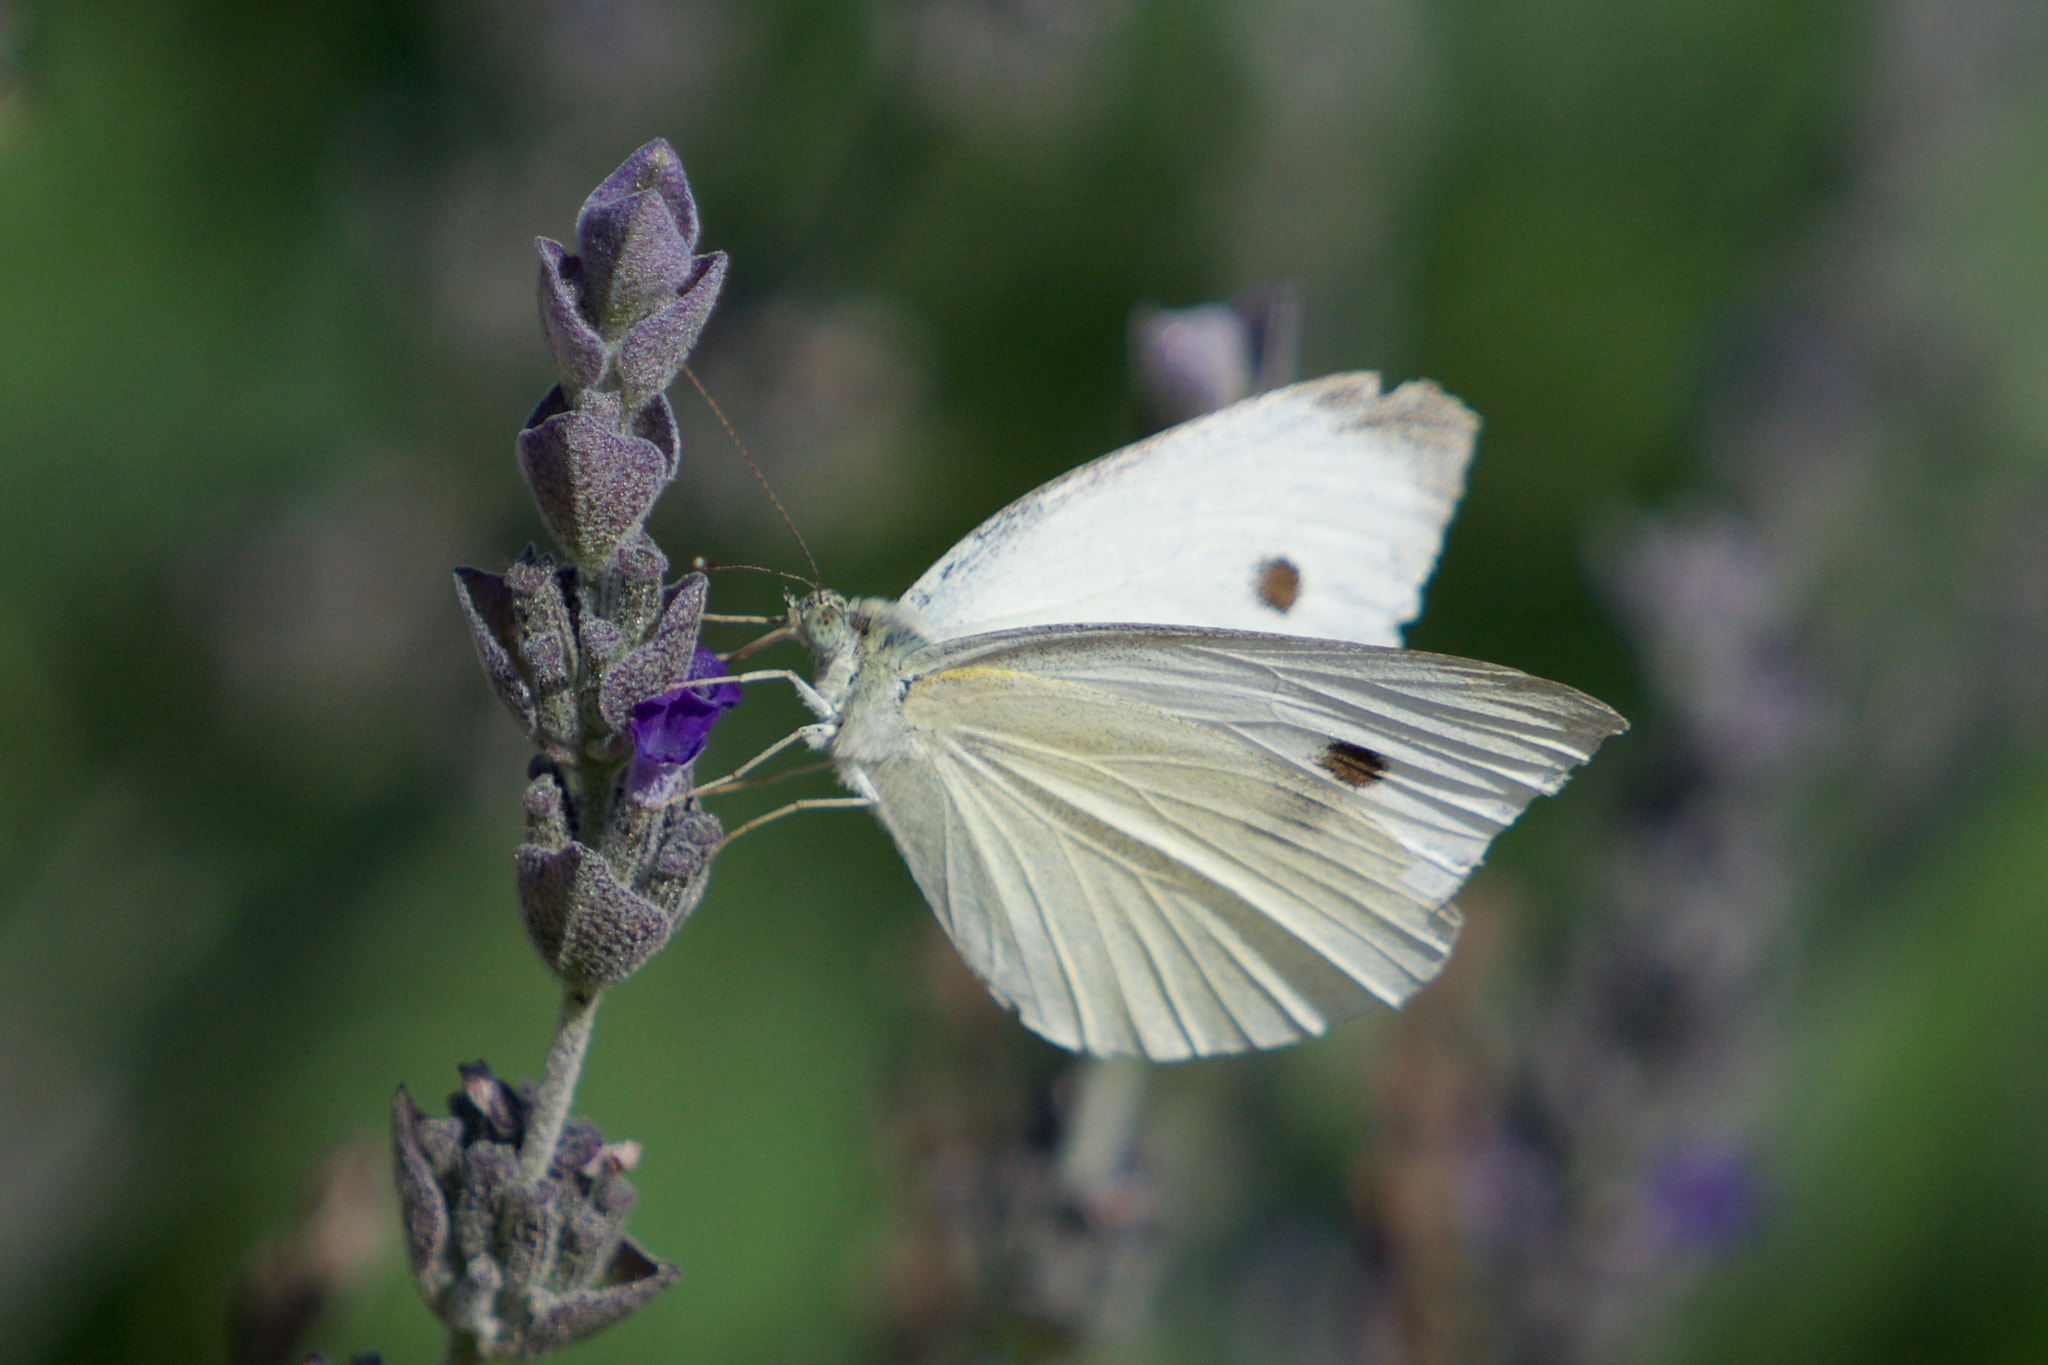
(860, 646)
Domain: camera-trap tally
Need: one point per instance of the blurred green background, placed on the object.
(267, 330)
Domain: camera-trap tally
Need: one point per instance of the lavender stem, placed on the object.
(558, 1084)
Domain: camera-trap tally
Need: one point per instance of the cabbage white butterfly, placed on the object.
(1148, 742)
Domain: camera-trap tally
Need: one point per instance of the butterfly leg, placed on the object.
(755, 646)
(807, 733)
(805, 693)
(809, 803)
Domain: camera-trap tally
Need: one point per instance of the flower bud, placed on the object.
(533, 1216)
(655, 167)
(634, 258)
(630, 1280)
(601, 642)
(488, 1169)
(654, 421)
(579, 350)
(594, 924)
(546, 646)
(665, 660)
(636, 234)
(680, 871)
(422, 1197)
(620, 317)
(521, 1269)
(593, 485)
(579, 1142)
(592, 931)
(654, 350)
(494, 625)
(547, 815)
(638, 586)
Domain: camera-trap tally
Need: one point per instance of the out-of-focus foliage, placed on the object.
(269, 332)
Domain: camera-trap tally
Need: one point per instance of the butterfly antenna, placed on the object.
(703, 565)
(759, 477)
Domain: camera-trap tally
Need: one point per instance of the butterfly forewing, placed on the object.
(1314, 510)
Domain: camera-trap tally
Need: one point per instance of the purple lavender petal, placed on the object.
(652, 783)
(674, 727)
(708, 665)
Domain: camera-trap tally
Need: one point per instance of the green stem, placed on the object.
(1110, 1102)
(557, 1084)
(461, 1350)
(595, 779)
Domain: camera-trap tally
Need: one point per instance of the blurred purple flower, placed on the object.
(672, 729)
(1705, 1199)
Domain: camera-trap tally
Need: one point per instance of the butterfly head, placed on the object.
(826, 623)
(840, 635)
(844, 633)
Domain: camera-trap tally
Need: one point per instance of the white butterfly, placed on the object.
(1149, 824)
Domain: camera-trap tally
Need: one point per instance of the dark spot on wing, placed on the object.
(1351, 764)
(1278, 583)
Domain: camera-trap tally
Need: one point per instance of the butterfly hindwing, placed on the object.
(1444, 752)
(1185, 842)
(1132, 882)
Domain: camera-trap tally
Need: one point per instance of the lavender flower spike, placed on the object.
(671, 729)
(621, 316)
(514, 1209)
